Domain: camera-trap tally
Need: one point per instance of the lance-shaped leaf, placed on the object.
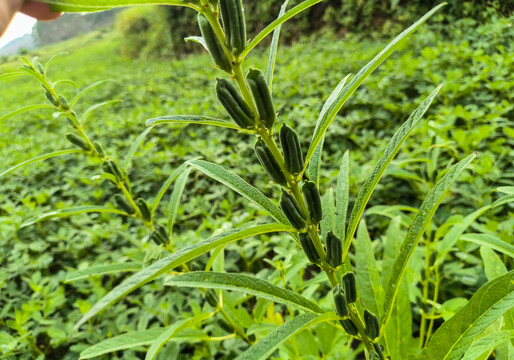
(174, 175)
(343, 93)
(101, 270)
(282, 19)
(71, 211)
(491, 241)
(139, 338)
(95, 107)
(176, 259)
(171, 332)
(486, 344)
(267, 345)
(240, 186)
(40, 158)
(245, 284)
(453, 338)
(134, 147)
(274, 48)
(416, 230)
(342, 196)
(315, 164)
(25, 109)
(195, 120)
(100, 5)
(390, 152)
(175, 198)
(85, 90)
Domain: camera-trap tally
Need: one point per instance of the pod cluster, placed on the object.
(160, 236)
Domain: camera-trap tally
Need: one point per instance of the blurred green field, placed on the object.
(473, 113)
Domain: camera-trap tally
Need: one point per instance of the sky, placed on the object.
(21, 25)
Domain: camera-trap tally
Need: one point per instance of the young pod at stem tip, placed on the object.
(51, 98)
(112, 168)
(213, 44)
(212, 298)
(292, 211)
(334, 250)
(123, 204)
(372, 326)
(143, 208)
(234, 104)
(234, 24)
(269, 163)
(350, 287)
(64, 103)
(312, 198)
(160, 236)
(309, 248)
(349, 327)
(99, 149)
(293, 156)
(261, 97)
(78, 141)
(340, 301)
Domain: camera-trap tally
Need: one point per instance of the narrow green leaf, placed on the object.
(392, 245)
(453, 337)
(95, 107)
(197, 39)
(102, 270)
(315, 164)
(340, 97)
(25, 109)
(12, 74)
(282, 19)
(40, 158)
(503, 200)
(135, 339)
(342, 195)
(240, 186)
(267, 345)
(509, 190)
(176, 259)
(196, 120)
(86, 90)
(390, 152)
(134, 147)
(274, 48)
(416, 230)
(175, 199)
(171, 332)
(174, 175)
(99, 5)
(66, 82)
(493, 266)
(486, 344)
(71, 211)
(491, 241)
(245, 284)
(329, 209)
(368, 277)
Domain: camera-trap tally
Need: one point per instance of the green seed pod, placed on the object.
(234, 104)
(78, 141)
(309, 248)
(373, 355)
(99, 149)
(143, 208)
(349, 327)
(262, 97)
(340, 301)
(123, 204)
(269, 163)
(116, 171)
(233, 23)
(350, 287)
(313, 200)
(212, 298)
(292, 211)
(157, 238)
(51, 98)
(334, 250)
(213, 45)
(72, 123)
(372, 326)
(40, 68)
(293, 156)
(226, 326)
(162, 231)
(378, 350)
(64, 103)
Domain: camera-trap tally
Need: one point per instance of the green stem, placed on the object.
(238, 330)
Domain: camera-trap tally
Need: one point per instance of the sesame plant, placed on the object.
(371, 308)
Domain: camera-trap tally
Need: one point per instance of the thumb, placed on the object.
(7, 10)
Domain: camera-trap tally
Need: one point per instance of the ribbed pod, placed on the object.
(372, 326)
(262, 97)
(78, 141)
(269, 163)
(349, 286)
(340, 301)
(334, 250)
(349, 327)
(234, 24)
(292, 150)
(292, 211)
(234, 104)
(313, 200)
(213, 45)
(123, 204)
(309, 248)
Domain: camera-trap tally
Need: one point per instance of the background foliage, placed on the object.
(471, 54)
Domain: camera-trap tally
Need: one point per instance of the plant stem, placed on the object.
(234, 325)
